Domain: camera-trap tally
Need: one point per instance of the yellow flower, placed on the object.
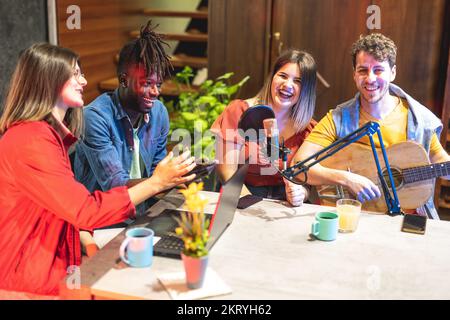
(179, 231)
(195, 204)
(192, 190)
(192, 226)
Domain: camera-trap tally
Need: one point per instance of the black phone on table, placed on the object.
(414, 223)
(248, 200)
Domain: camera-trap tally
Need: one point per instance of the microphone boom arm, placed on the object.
(368, 129)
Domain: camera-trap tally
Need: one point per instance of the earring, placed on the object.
(123, 79)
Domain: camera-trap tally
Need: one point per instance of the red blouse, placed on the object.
(42, 208)
(229, 119)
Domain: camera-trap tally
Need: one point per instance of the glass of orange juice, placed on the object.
(349, 211)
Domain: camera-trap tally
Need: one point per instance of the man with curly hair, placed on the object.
(126, 130)
(400, 117)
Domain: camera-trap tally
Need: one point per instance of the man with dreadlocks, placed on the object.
(126, 130)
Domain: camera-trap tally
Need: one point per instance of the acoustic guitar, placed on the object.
(412, 172)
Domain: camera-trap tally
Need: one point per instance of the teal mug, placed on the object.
(325, 227)
(137, 249)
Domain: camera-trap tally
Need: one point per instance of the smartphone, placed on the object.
(202, 169)
(247, 201)
(414, 223)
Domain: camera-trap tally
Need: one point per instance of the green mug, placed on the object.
(325, 227)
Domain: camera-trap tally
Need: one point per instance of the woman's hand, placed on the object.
(171, 170)
(295, 194)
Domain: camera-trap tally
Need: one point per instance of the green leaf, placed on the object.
(207, 141)
(219, 91)
(232, 90)
(189, 116)
(205, 85)
(207, 99)
(219, 108)
(225, 76)
(212, 116)
(200, 125)
(184, 75)
(202, 114)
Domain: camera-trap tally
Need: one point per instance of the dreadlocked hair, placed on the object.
(148, 50)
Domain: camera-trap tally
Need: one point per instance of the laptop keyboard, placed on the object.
(170, 242)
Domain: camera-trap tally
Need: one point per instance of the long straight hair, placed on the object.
(303, 109)
(37, 81)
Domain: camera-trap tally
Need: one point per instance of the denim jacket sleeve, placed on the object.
(101, 148)
(160, 149)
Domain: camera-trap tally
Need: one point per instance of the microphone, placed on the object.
(271, 129)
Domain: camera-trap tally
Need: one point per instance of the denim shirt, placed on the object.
(104, 154)
(421, 125)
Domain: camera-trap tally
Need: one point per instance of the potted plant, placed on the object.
(196, 110)
(193, 230)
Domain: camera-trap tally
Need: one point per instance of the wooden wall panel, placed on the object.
(326, 29)
(417, 28)
(105, 27)
(238, 32)
(216, 31)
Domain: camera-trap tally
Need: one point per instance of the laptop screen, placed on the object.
(164, 224)
(227, 204)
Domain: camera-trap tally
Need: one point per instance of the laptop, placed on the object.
(170, 245)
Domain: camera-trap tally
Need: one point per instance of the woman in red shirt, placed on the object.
(290, 90)
(42, 206)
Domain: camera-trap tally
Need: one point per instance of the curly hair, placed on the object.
(379, 46)
(147, 50)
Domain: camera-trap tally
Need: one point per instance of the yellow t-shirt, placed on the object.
(392, 127)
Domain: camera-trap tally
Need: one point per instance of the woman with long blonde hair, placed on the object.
(42, 206)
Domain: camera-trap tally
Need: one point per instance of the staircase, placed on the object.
(190, 51)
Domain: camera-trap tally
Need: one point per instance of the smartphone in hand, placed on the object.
(202, 169)
(414, 223)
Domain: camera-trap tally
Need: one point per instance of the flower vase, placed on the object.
(195, 269)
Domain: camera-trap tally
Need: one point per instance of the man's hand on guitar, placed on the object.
(364, 189)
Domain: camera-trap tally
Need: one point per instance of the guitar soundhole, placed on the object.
(396, 175)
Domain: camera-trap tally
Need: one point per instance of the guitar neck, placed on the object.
(426, 172)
